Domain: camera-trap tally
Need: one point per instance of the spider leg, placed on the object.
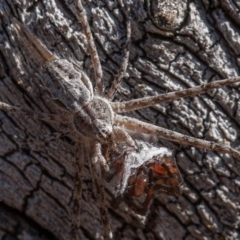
(102, 159)
(116, 167)
(135, 104)
(124, 62)
(136, 125)
(121, 135)
(40, 142)
(93, 149)
(35, 115)
(141, 210)
(46, 55)
(77, 191)
(82, 17)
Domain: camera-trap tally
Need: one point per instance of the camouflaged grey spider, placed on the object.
(99, 127)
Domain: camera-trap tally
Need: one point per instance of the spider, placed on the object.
(99, 127)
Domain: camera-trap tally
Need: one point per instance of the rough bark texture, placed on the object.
(175, 45)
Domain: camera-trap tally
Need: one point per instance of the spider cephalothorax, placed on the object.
(95, 120)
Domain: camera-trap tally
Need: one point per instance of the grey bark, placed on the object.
(175, 45)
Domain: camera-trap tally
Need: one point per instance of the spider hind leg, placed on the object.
(94, 150)
(77, 191)
(33, 114)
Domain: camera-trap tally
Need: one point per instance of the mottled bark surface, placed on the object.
(175, 45)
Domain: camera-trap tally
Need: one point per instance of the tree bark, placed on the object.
(174, 45)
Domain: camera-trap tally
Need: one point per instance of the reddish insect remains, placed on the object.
(138, 177)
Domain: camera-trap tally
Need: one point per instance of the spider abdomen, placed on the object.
(67, 85)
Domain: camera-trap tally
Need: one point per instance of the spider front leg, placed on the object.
(91, 46)
(124, 64)
(121, 135)
(77, 192)
(120, 107)
(94, 150)
(136, 125)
